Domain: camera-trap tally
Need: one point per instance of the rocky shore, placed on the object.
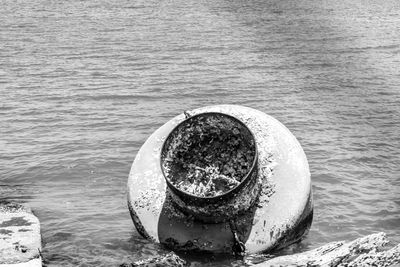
(368, 251)
(20, 246)
(20, 240)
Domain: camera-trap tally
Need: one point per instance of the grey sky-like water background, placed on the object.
(84, 83)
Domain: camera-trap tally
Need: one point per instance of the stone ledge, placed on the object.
(20, 240)
(367, 251)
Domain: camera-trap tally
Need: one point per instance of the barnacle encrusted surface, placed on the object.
(208, 155)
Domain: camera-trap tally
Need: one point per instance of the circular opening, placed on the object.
(208, 155)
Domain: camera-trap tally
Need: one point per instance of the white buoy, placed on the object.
(281, 215)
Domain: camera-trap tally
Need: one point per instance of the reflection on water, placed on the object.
(83, 83)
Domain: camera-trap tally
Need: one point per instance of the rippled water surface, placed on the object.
(84, 83)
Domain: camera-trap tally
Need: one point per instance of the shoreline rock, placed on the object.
(369, 250)
(366, 251)
(20, 240)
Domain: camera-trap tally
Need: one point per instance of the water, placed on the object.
(84, 83)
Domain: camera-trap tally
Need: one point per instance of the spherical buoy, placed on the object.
(269, 206)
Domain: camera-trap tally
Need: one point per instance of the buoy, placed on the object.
(270, 208)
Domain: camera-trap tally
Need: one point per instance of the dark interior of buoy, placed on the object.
(208, 155)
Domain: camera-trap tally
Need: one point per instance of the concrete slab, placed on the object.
(20, 240)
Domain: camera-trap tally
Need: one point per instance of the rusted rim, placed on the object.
(191, 197)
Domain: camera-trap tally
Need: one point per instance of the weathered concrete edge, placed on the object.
(32, 263)
(24, 240)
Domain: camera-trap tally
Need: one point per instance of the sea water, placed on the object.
(84, 83)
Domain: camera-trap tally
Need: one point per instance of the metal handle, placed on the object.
(187, 114)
